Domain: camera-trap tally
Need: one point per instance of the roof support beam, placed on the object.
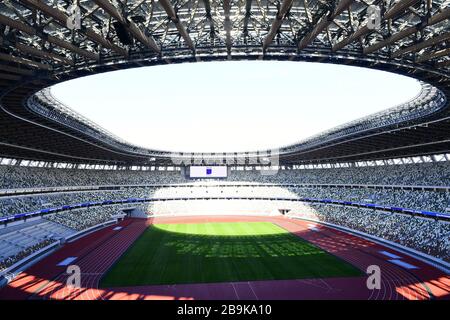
(129, 25)
(32, 31)
(443, 15)
(73, 48)
(208, 14)
(392, 39)
(173, 16)
(43, 54)
(276, 24)
(21, 71)
(29, 63)
(399, 7)
(61, 18)
(248, 7)
(324, 23)
(392, 12)
(353, 37)
(308, 13)
(434, 55)
(227, 23)
(443, 64)
(423, 44)
(9, 77)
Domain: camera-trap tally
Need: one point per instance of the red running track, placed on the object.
(97, 252)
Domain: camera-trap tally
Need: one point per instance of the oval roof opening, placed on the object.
(234, 105)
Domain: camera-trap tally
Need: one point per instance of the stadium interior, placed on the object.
(374, 190)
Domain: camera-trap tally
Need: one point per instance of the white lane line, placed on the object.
(250, 285)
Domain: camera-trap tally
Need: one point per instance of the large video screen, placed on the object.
(208, 172)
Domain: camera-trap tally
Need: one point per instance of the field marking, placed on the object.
(250, 285)
(390, 255)
(67, 261)
(235, 291)
(403, 264)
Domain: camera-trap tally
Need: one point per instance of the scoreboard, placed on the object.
(208, 172)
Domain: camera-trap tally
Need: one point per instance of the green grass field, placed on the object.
(221, 252)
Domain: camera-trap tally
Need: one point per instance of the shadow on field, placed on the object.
(163, 255)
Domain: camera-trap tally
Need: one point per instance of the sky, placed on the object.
(232, 105)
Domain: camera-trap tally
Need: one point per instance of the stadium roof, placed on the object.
(46, 42)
